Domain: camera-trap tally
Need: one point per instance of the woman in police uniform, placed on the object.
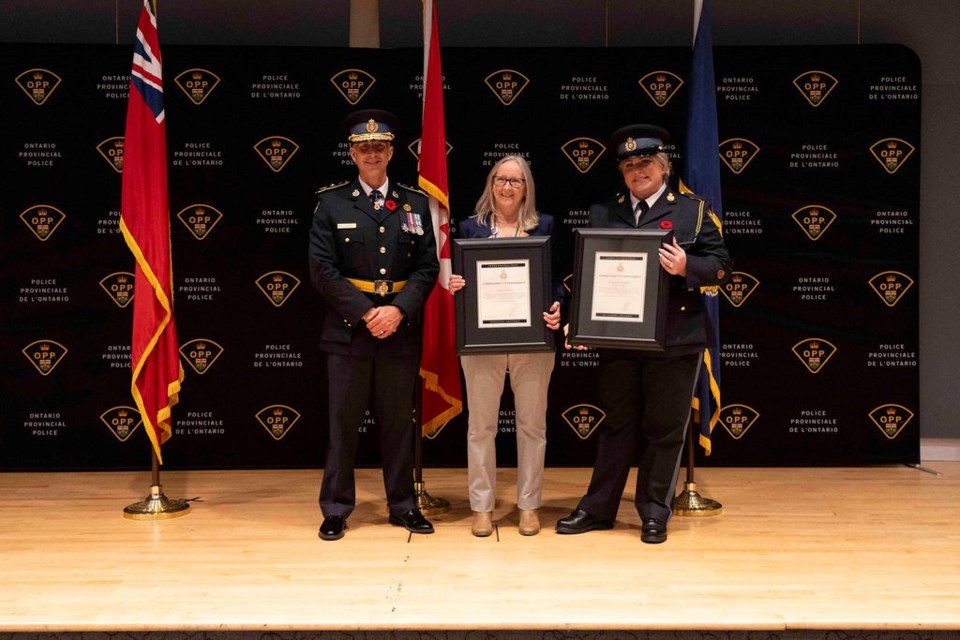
(647, 396)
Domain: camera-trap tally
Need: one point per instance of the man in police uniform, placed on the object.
(373, 258)
(647, 395)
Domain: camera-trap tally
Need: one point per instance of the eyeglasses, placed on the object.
(500, 181)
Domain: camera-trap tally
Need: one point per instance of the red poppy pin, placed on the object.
(666, 224)
(390, 205)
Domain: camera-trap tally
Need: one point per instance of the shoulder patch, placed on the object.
(409, 188)
(329, 187)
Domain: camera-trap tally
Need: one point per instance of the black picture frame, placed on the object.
(646, 333)
(474, 339)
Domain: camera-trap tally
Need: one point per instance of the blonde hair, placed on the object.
(528, 218)
(659, 157)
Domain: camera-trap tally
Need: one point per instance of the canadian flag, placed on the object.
(442, 397)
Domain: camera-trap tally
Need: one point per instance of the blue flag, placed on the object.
(702, 168)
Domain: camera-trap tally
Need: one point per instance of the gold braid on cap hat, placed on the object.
(372, 133)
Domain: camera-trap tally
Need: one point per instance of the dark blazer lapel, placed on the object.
(660, 209)
(624, 212)
(399, 197)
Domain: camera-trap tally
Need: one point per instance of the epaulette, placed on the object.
(336, 185)
(409, 188)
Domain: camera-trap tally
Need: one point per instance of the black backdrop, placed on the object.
(821, 166)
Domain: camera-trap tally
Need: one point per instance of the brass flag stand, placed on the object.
(156, 506)
(689, 502)
(426, 503)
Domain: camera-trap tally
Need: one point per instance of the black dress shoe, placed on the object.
(580, 522)
(413, 521)
(332, 527)
(653, 531)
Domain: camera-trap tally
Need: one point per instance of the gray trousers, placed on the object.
(529, 380)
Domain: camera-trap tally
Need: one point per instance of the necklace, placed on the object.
(495, 231)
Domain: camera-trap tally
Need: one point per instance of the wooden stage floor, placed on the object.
(795, 550)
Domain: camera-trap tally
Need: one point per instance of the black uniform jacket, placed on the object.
(349, 239)
(697, 231)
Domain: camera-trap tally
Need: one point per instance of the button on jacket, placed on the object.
(351, 239)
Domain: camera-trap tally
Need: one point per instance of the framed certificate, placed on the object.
(620, 293)
(500, 310)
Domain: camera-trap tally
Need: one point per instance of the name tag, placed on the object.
(346, 225)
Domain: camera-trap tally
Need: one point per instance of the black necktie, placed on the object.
(375, 198)
(642, 208)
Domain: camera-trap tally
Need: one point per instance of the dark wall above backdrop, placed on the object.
(491, 23)
(820, 322)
